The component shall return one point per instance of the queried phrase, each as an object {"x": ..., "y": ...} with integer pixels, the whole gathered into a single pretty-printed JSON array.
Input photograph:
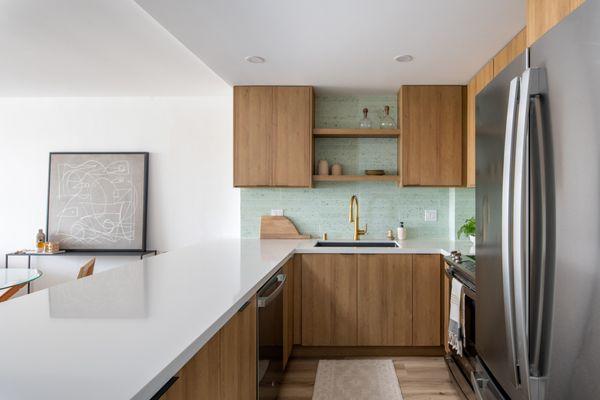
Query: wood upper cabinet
[
  {"x": 542, "y": 15},
  {"x": 485, "y": 75},
  {"x": 329, "y": 300},
  {"x": 238, "y": 375},
  {"x": 432, "y": 131},
  {"x": 516, "y": 46},
  {"x": 225, "y": 367},
  {"x": 292, "y": 143},
  {"x": 470, "y": 142},
  {"x": 252, "y": 132},
  {"x": 272, "y": 136},
  {"x": 288, "y": 311},
  {"x": 427, "y": 300},
  {"x": 476, "y": 85},
  {"x": 385, "y": 300}
]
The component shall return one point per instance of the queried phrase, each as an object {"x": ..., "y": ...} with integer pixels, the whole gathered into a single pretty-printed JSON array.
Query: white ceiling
[
  {"x": 344, "y": 46},
  {"x": 94, "y": 48}
]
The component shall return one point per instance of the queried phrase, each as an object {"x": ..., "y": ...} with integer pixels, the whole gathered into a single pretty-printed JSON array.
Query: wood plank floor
[{"x": 420, "y": 378}]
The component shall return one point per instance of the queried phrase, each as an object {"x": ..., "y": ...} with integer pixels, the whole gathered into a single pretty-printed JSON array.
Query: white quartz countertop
[{"x": 123, "y": 333}]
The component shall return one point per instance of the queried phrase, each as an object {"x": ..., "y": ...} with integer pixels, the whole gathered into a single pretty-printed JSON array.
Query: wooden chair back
[
  {"x": 87, "y": 269},
  {"x": 11, "y": 292}
]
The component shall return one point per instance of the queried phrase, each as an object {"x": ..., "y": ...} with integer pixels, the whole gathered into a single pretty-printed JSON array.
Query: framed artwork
[{"x": 98, "y": 201}]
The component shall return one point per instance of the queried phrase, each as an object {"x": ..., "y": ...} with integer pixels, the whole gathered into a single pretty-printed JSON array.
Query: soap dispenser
[{"x": 401, "y": 231}]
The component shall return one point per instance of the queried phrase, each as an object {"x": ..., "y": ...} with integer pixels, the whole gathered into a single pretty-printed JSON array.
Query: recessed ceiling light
[
  {"x": 255, "y": 59},
  {"x": 404, "y": 58}
]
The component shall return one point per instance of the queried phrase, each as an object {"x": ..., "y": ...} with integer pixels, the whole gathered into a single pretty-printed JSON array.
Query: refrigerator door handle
[
  {"x": 507, "y": 223},
  {"x": 530, "y": 86},
  {"x": 541, "y": 243}
]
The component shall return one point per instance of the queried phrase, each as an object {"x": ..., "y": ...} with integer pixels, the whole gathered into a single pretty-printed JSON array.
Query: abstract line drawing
[{"x": 97, "y": 201}]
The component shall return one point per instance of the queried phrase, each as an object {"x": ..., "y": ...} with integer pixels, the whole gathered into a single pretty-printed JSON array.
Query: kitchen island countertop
[{"x": 122, "y": 333}]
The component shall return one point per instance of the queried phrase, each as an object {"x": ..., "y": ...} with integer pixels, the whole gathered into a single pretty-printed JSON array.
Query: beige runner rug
[{"x": 356, "y": 380}]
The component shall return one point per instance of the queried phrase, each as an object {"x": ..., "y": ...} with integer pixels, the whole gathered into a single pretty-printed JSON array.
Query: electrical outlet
[
  {"x": 277, "y": 212},
  {"x": 430, "y": 215}
]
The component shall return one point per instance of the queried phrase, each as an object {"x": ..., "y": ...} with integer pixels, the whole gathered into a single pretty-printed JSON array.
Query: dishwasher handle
[{"x": 266, "y": 300}]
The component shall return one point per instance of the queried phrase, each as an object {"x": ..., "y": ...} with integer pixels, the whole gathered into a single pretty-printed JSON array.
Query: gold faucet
[{"x": 354, "y": 218}]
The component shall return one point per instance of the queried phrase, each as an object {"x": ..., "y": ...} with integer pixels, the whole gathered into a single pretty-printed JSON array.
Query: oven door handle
[{"x": 263, "y": 302}]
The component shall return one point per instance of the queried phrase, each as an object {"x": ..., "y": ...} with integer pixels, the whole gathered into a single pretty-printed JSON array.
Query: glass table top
[{"x": 10, "y": 277}]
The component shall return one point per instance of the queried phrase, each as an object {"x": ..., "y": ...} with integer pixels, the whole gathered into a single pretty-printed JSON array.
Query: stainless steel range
[{"x": 463, "y": 269}]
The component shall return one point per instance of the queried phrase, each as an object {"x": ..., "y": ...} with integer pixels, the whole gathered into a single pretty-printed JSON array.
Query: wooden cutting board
[{"x": 278, "y": 227}]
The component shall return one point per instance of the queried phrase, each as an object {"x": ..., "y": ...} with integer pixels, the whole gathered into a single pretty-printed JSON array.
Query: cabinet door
[
  {"x": 252, "y": 131},
  {"x": 432, "y": 135},
  {"x": 484, "y": 76},
  {"x": 542, "y": 15},
  {"x": 288, "y": 311},
  {"x": 509, "y": 52},
  {"x": 329, "y": 300},
  {"x": 385, "y": 300},
  {"x": 471, "y": 134},
  {"x": 238, "y": 355},
  {"x": 199, "y": 378},
  {"x": 291, "y": 142},
  {"x": 427, "y": 323}
]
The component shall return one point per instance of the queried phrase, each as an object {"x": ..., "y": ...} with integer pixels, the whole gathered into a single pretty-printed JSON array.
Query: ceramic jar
[
  {"x": 336, "y": 169},
  {"x": 323, "y": 167}
]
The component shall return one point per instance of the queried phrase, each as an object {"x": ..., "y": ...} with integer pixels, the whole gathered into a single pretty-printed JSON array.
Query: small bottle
[
  {"x": 40, "y": 240},
  {"x": 389, "y": 234},
  {"x": 387, "y": 122},
  {"x": 401, "y": 232},
  {"x": 365, "y": 123}
]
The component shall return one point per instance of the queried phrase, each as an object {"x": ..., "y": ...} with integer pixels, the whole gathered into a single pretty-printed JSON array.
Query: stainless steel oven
[
  {"x": 270, "y": 337},
  {"x": 462, "y": 366}
]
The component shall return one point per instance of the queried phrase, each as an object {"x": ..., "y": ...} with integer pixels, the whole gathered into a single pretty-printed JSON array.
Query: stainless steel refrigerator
[{"x": 538, "y": 219}]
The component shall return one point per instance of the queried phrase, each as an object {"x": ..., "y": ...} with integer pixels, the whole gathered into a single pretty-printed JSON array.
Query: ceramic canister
[
  {"x": 336, "y": 169},
  {"x": 323, "y": 167}
]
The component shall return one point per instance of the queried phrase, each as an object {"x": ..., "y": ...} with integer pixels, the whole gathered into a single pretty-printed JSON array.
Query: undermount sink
[{"x": 355, "y": 244}]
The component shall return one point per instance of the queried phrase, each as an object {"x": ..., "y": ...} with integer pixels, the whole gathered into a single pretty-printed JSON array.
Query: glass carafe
[
  {"x": 387, "y": 122},
  {"x": 365, "y": 123}
]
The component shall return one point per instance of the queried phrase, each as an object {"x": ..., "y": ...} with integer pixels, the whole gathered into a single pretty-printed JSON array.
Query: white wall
[
  {"x": 191, "y": 192},
  {"x": 84, "y": 76}
]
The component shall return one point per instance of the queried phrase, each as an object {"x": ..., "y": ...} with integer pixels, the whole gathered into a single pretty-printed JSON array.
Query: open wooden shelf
[
  {"x": 357, "y": 133},
  {"x": 355, "y": 178}
]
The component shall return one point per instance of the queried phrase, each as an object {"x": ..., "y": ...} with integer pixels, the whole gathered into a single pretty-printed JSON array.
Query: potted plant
[{"x": 468, "y": 229}]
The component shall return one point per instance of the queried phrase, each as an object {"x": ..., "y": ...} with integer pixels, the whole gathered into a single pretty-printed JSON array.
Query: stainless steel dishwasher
[{"x": 270, "y": 337}]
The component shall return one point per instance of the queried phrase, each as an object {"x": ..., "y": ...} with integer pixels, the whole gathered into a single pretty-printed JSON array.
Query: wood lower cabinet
[
  {"x": 427, "y": 300},
  {"x": 371, "y": 300},
  {"x": 238, "y": 355},
  {"x": 329, "y": 300},
  {"x": 272, "y": 142},
  {"x": 225, "y": 367},
  {"x": 385, "y": 300},
  {"x": 199, "y": 379},
  {"x": 432, "y": 128}
]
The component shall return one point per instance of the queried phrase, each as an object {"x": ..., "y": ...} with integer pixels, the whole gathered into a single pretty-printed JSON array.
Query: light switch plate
[
  {"x": 430, "y": 215},
  {"x": 277, "y": 212}
]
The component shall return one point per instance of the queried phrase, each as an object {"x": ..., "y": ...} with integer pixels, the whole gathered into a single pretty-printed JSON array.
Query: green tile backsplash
[{"x": 324, "y": 208}]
